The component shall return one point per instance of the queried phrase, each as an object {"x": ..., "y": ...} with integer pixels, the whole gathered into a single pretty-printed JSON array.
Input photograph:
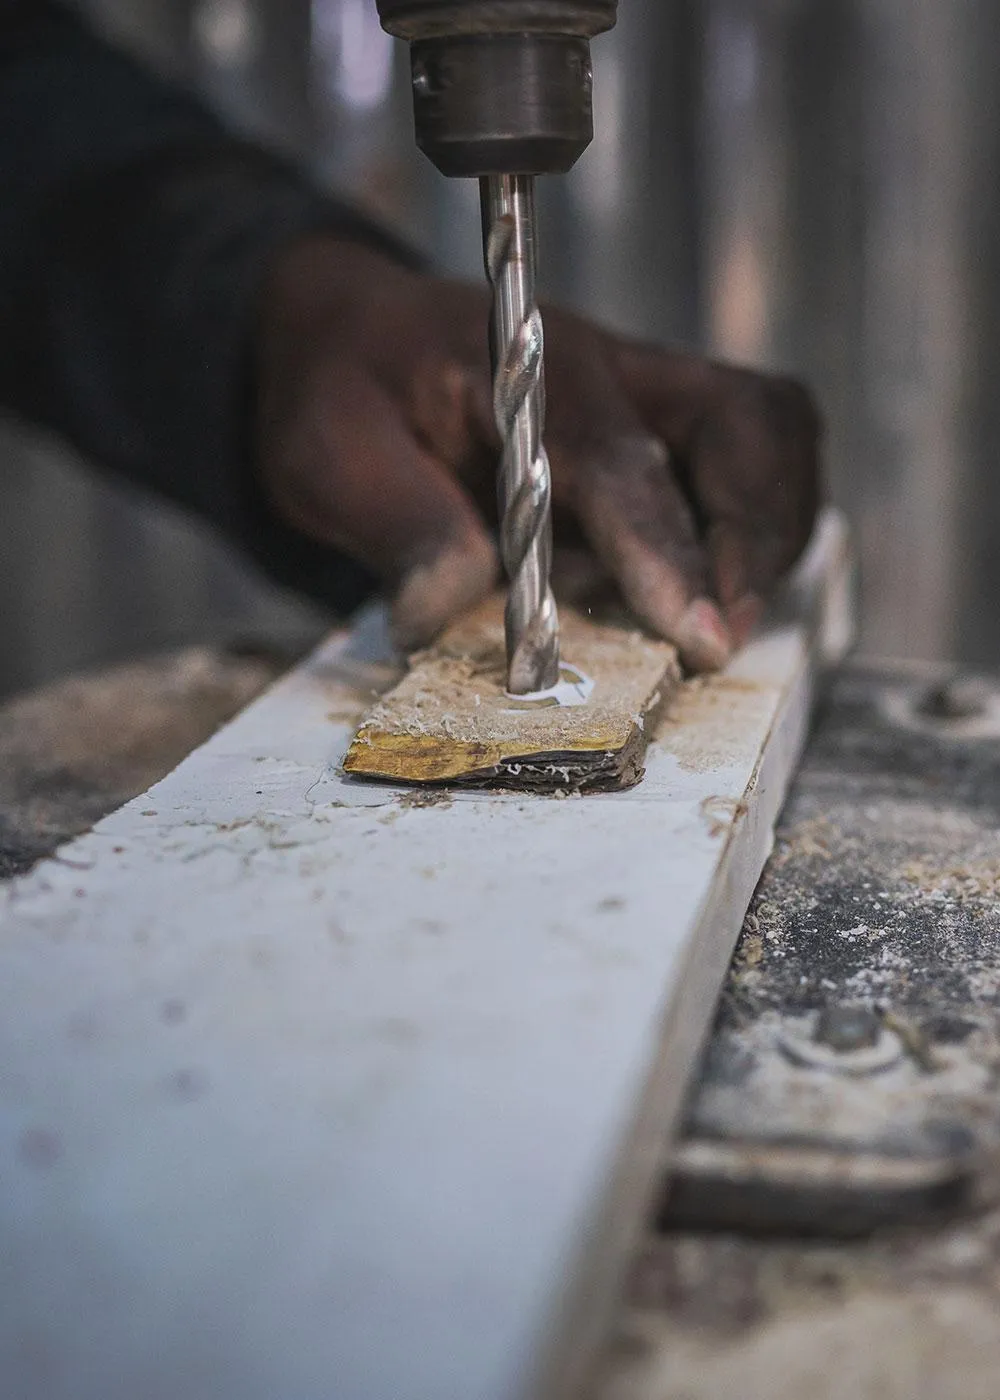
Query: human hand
[{"x": 692, "y": 486}]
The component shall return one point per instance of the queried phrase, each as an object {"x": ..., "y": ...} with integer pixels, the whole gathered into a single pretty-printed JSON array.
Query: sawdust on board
[
  {"x": 455, "y": 690},
  {"x": 707, "y": 720}
]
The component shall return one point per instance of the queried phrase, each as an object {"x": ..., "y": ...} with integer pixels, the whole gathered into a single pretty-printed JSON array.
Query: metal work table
[{"x": 828, "y": 1231}]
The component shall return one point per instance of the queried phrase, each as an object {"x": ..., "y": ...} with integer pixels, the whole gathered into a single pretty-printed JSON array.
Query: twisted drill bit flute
[{"x": 524, "y": 481}]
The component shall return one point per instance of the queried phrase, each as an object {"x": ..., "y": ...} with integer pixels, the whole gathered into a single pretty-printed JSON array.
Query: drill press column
[{"x": 502, "y": 92}]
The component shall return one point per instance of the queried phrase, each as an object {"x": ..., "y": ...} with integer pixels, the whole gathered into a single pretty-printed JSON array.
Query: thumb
[{"x": 342, "y": 466}]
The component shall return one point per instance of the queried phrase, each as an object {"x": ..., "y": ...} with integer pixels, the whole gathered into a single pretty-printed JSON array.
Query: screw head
[
  {"x": 961, "y": 697},
  {"x": 846, "y": 1028}
]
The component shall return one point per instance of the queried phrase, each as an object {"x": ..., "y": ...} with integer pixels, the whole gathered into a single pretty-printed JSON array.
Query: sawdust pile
[{"x": 967, "y": 881}]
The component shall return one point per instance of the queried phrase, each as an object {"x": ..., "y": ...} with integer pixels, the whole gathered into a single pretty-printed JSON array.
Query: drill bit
[{"x": 524, "y": 481}]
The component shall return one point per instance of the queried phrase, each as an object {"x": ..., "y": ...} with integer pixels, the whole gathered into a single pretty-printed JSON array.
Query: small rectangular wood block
[{"x": 451, "y": 720}]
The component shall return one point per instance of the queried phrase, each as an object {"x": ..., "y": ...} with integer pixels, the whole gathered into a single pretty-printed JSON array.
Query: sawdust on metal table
[{"x": 853, "y": 1073}]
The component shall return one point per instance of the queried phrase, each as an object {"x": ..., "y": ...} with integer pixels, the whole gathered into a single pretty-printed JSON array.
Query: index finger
[
  {"x": 619, "y": 481},
  {"x": 748, "y": 446}
]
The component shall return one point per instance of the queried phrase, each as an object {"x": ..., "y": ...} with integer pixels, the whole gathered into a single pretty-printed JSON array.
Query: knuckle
[
  {"x": 783, "y": 408},
  {"x": 799, "y": 407},
  {"x": 636, "y": 462}
]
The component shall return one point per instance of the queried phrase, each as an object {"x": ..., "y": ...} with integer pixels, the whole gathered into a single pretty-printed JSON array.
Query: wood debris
[{"x": 451, "y": 720}]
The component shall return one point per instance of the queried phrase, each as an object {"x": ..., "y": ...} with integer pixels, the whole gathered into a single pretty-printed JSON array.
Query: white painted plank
[{"x": 309, "y": 1092}]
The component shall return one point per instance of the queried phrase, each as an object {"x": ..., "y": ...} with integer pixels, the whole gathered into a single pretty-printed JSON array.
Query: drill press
[{"x": 502, "y": 92}]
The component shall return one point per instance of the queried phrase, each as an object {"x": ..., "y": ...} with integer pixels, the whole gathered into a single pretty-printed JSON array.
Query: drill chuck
[
  {"x": 502, "y": 104},
  {"x": 433, "y": 19},
  {"x": 500, "y": 86}
]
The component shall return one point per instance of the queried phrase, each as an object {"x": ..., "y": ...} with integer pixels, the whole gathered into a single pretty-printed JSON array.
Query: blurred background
[{"x": 799, "y": 186}]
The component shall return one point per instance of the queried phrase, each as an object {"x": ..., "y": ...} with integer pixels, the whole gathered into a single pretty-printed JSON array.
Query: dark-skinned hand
[{"x": 689, "y": 485}]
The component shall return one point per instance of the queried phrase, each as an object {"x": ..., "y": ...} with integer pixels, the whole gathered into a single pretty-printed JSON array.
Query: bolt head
[
  {"x": 960, "y": 698},
  {"x": 847, "y": 1028}
]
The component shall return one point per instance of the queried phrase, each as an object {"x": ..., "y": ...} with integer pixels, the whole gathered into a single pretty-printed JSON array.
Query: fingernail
[
  {"x": 703, "y": 637},
  {"x": 743, "y": 617}
]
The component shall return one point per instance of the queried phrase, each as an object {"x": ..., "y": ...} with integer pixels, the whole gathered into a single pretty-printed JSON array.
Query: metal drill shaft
[{"x": 524, "y": 482}]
